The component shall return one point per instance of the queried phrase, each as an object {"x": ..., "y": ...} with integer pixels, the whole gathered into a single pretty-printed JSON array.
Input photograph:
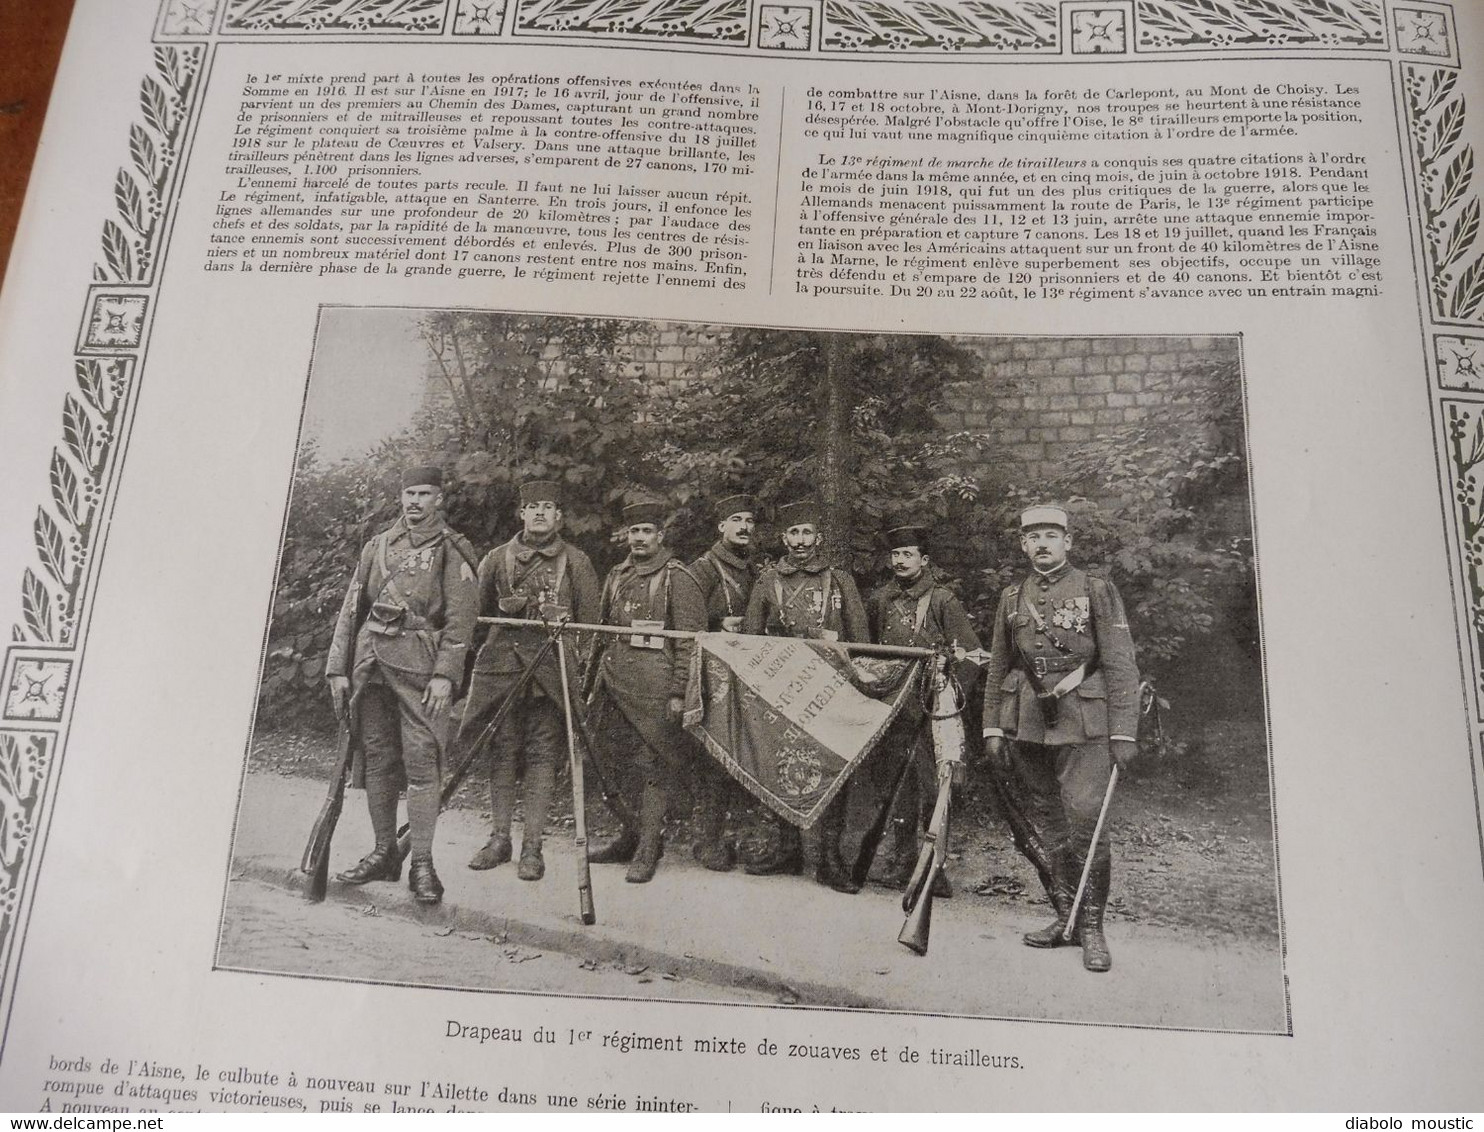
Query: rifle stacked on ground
[{"x": 948, "y": 746}]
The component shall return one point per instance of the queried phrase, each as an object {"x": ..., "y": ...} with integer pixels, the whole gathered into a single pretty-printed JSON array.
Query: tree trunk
[{"x": 834, "y": 470}]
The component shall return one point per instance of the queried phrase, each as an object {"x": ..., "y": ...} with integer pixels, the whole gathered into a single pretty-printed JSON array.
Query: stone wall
[
  {"x": 1039, "y": 399},
  {"x": 1042, "y": 398}
]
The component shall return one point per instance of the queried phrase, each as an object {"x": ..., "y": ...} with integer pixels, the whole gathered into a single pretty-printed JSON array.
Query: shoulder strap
[
  {"x": 922, "y": 611},
  {"x": 724, "y": 579},
  {"x": 459, "y": 544},
  {"x": 509, "y": 578},
  {"x": 389, "y": 585}
]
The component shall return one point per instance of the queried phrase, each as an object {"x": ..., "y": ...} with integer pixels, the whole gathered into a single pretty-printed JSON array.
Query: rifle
[
  {"x": 871, "y": 842},
  {"x": 917, "y": 901},
  {"x": 456, "y": 779},
  {"x": 877, "y": 829},
  {"x": 948, "y": 746},
  {"x": 579, "y": 802},
  {"x": 316, "y": 860},
  {"x": 612, "y": 798}
]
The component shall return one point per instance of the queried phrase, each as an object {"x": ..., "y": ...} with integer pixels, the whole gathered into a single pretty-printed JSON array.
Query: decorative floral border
[
  {"x": 1445, "y": 173},
  {"x": 1166, "y": 24},
  {"x": 1021, "y": 26},
  {"x": 717, "y": 21},
  {"x": 94, "y": 418},
  {"x": 418, "y": 16},
  {"x": 989, "y": 26},
  {"x": 1463, "y": 422},
  {"x": 141, "y": 188},
  {"x": 25, "y": 765},
  {"x": 82, "y": 471}
]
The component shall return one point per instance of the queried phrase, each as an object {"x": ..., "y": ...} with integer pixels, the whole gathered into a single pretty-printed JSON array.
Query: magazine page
[{"x": 745, "y": 557}]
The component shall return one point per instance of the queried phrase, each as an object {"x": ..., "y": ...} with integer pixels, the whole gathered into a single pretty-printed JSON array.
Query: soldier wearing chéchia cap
[
  {"x": 640, "y": 693},
  {"x": 394, "y": 664},
  {"x": 916, "y": 610},
  {"x": 725, "y": 573},
  {"x": 801, "y": 595},
  {"x": 537, "y": 575},
  {"x": 1061, "y": 706}
]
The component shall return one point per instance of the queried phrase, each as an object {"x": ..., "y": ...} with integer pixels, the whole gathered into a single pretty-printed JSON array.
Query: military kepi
[
  {"x": 795, "y": 514},
  {"x": 426, "y": 475},
  {"x": 645, "y": 512},
  {"x": 734, "y": 505},
  {"x": 540, "y": 491},
  {"x": 899, "y": 537},
  {"x": 1043, "y": 517}
]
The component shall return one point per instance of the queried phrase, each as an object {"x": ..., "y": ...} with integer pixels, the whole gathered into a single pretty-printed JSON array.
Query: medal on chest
[{"x": 1072, "y": 613}]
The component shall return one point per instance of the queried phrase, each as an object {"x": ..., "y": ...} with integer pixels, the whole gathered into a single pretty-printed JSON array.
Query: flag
[{"x": 791, "y": 719}]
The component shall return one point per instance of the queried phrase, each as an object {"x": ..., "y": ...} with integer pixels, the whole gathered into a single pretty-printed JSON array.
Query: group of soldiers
[{"x": 1060, "y": 700}]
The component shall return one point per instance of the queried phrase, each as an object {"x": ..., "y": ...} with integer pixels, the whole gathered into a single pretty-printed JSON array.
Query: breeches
[
  {"x": 397, "y": 737},
  {"x": 529, "y": 744},
  {"x": 1064, "y": 789},
  {"x": 533, "y": 733}
]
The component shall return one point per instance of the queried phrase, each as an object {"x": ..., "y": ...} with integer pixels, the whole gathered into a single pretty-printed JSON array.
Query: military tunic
[
  {"x": 527, "y": 582},
  {"x": 408, "y": 616},
  {"x": 726, "y": 580},
  {"x": 639, "y": 675},
  {"x": 814, "y": 600},
  {"x": 531, "y": 582},
  {"x": 922, "y": 614},
  {"x": 1056, "y": 623}
]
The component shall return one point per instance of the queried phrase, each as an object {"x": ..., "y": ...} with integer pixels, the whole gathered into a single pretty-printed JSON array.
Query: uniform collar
[
  {"x": 427, "y": 531},
  {"x": 1053, "y": 576},
  {"x": 644, "y": 569},
  {"x": 815, "y": 565},
  {"x": 923, "y": 584},
  {"x": 524, "y": 552},
  {"x": 722, "y": 551}
]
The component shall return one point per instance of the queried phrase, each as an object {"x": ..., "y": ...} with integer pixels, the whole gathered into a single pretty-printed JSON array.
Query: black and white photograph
[{"x": 766, "y": 666}]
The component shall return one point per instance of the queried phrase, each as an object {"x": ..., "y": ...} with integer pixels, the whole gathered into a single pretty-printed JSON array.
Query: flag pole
[{"x": 905, "y": 651}]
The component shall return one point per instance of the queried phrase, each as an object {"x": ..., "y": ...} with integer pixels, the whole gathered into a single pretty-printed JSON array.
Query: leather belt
[{"x": 1044, "y": 665}]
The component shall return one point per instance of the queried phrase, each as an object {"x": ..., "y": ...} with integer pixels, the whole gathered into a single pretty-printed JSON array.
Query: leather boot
[
  {"x": 1061, "y": 893},
  {"x": 382, "y": 863},
  {"x": 422, "y": 878},
  {"x": 616, "y": 850},
  {"x": 495, "y": 852},
  {"x": 651, "y": 836},
  {"x": 532, "y": 866},
  {"x": 901, "y": 859},
  {"x": 712, "y": 848},
  {"x": 1095, "y": 953},
  {"x": 831, "y": 870}
]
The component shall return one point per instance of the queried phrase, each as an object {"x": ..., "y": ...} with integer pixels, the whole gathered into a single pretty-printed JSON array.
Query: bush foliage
[{"x": 1161, "y": 508}]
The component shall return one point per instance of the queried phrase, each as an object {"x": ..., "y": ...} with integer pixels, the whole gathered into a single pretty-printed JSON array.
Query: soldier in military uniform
[
  {"x": 1061, "y": 706},
  {"x": 915, "y": 610},
  {"x": 640, "y": 692},
  {"x": 725, "y": 573},
  {"x": 396, "y": 659},
  {"x": 801, "y": 595},
  {"x": 536, "y": 575}
]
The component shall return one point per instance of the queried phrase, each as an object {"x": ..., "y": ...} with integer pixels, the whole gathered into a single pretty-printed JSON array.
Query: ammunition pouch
[
  {"x": 386, "y": 618},
  {"x": 513, "y": 605}
]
